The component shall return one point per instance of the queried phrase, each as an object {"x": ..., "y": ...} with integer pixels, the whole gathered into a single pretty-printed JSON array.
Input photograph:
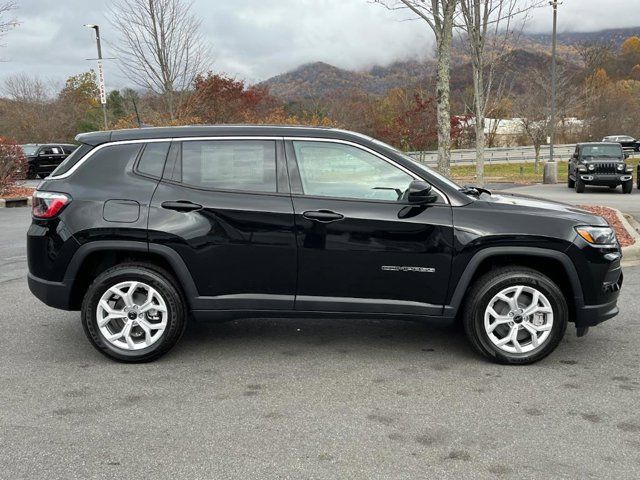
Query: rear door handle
[
  {"x": 182, "y": 206},
  {"x": 323, "y": 216}
]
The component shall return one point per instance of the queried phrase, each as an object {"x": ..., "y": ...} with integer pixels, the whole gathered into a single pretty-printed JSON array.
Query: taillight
[{"x": 48, "y": 204}]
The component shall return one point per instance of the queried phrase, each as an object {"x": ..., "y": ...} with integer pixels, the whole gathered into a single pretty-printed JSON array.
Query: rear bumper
[{"x": 54, "y": 294}]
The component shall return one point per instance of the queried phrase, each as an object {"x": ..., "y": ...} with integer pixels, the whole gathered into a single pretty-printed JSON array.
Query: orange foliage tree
[{"x": 13, "y": 164}]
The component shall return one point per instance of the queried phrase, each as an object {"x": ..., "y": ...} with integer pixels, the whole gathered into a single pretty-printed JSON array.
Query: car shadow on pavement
[{"x": 297, "y": 337}]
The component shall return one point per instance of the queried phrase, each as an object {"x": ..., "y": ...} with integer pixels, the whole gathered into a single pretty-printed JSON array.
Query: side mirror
[
  {"x": 626, "y": 155},
  {"x": 419, "y": 192},
  {"x": 575, "y": 155}
]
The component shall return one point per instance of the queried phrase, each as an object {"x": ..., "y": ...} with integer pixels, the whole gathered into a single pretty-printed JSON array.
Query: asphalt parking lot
[
  {"x": 601, "y": 196},
  {"x": 309, "y": 399}
]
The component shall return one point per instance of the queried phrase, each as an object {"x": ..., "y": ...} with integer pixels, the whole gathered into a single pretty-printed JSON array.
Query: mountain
[
  {"x": 614, "y": 36},
  {"x": 319, "y": 79}
]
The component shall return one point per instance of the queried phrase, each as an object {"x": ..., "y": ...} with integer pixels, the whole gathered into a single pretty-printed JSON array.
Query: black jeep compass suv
[{"x": 143, "y": 229}]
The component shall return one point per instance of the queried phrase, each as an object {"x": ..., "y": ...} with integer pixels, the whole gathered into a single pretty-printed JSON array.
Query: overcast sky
[{"x": 255, "y": 39}]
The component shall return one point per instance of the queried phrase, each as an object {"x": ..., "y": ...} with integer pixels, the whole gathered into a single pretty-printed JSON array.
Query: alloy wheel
[
  {"x": 518, "y": 319},
  {"x": 131, "y": 315}
]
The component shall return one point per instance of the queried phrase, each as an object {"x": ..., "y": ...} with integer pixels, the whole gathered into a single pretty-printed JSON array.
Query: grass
[{"x": 514, "y": 172}]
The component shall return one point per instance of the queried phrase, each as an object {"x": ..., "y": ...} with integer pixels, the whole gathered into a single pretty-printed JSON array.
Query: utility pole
[
  {"x": 103, "y": 93},
  {"x": 551, "y": 167}
]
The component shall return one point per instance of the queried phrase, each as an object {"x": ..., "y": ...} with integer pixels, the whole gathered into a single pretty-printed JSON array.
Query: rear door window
[{"x": 247, "y": 165}]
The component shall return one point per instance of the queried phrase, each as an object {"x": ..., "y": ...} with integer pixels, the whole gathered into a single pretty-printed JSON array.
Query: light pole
[
  {"x": 103, "y": 93},
  {"x": 551, "y": 167}
]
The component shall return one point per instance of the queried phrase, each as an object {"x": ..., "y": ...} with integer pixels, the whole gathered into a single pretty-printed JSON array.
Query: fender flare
[
  {"x": 170, "y": 255},
  {"x": 451, "y": 310}
]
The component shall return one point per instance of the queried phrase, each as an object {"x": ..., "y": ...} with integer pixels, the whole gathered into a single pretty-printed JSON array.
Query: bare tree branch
[
  {"x": 485, "y": 47},
  {"x": 7, "y": 22},
  {"x": 160, "y": 46}
]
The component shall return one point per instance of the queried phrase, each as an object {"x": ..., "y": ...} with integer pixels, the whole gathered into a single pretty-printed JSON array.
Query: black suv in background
[
  {"x": 142, "y": 229},
  {"x": 600, "y": 164},
  {"x": 42, "y": 159}
]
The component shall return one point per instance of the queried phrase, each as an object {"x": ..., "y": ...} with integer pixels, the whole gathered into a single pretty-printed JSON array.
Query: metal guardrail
[{"x": 498, "y": 155}]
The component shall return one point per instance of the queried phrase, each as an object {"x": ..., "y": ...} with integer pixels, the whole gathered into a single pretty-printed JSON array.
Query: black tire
[
  {"x": 627, "y": 187},
  {"x": 153, "y": 276},
  {"x": 31, "y": 174},
  {"x": 42, "y": 175},
  {"x": 571, "y": 183},
  {"x": 486, "y": 287},
  {"x": 579, "y": 185}
]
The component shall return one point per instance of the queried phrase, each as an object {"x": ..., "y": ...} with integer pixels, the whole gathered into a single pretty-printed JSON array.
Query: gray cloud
[{"x": 255, "y": 39}]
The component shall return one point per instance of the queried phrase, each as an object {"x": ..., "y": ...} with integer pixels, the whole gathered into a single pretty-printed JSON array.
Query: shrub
[{"x": 13, "y": 164}]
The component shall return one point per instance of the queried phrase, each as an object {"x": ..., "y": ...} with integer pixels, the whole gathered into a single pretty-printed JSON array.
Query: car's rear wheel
[
  {"x": 627, "y": 187},
  {"x": 515, "y": 315},
  {"x": 579, "y": 185},
  {"x": 133, "y": 313}
]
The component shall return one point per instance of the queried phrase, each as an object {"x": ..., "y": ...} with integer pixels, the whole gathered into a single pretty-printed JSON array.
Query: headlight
[
  {"x": 592, "y": 168},
  {"x": 621, "y": 167},
  {"x": 598, "y": 235}
]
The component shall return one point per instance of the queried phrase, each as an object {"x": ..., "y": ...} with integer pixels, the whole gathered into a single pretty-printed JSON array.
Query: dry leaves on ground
[{"x": 610, "y": 216}]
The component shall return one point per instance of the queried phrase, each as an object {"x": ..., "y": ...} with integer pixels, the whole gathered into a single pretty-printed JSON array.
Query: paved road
[
  {"x": 309, "y": 399},
  {"x": 602, "y": 196}
]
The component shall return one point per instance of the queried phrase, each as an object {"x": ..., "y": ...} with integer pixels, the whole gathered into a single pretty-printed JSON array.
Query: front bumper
[
  {"x": 605, "y": 180},
  {"x": 592, "y": 315}
]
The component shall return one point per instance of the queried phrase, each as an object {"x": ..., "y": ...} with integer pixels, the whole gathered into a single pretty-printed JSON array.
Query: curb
[
  {"x": 630, "y": 254},
  {"x": 15, "y": 202}
]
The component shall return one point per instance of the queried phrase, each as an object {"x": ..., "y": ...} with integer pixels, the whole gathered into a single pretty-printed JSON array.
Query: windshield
[
  {"x": 29, "y": 149},
  {"x": 613, "y": 151},
  {"x": 422, "y": 166}
]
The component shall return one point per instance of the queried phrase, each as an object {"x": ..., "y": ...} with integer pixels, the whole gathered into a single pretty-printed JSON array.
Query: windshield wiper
[{"x": 474, "y": 190}]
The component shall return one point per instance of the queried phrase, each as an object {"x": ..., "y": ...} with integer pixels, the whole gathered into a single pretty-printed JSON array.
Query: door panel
[
  {"x": 238, "y": 246},
  {"x": 379, "y": 257},
  {"x": 368, "y": 252}
]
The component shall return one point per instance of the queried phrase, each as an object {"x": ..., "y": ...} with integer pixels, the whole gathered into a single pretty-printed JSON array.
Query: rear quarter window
[
  {"x": 72, "y": 159},
  {"x": 107, "y": 164},
  {"x": 152, "y": 159}
]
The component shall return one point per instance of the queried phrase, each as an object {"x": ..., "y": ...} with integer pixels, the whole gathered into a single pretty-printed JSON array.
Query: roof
[
  {"x": 96, "y": 138},
  {"x": 598, "y": 143}
]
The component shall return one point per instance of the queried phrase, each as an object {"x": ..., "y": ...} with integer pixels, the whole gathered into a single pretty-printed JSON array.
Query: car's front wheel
[
  {"x": 627, "y": 187},
  {"x": 571, "y": 183},
  {"x": 579, "y": 185},
  {"x": 133, "y": 313},
  {"x": 515, "y": 315}
]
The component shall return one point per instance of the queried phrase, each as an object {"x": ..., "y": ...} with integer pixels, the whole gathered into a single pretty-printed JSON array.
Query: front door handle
[
  {"x": 182, "y": 206},
  {"x": 322, "y": 216}
]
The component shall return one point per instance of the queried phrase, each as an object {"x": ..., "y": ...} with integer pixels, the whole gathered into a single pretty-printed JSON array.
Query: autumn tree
[
  {"x": 78, "y": 104},
  {"x": 218, "y": 98},
  {"x": 630, "y": 54},
  {"x": 13, "y": 164},
  {"x": 160, "y": 46},
  {"x": 411, "y": 121}
]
